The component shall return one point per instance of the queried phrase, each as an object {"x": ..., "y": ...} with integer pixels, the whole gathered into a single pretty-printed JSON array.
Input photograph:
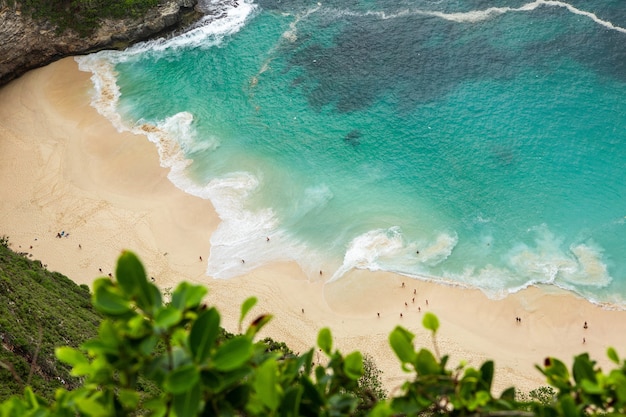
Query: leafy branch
[{"x": 177, "y": 346}]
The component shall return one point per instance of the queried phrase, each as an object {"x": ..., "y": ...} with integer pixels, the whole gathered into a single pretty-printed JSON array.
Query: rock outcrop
[{"x": 26, "y": 43}]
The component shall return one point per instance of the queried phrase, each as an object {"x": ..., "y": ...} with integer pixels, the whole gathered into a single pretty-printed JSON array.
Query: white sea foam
[
  {"x": 175, "y": 136},
  {"x": 210, "y": 31},
  {"x": 388, "y": 250},
  {"x": 243, "y": 233},
  {"x": 475, "y": 16},
  {"x": 163, "y": 134},
  {"x": 591, "y": 270},
  {"x": 547, "y": 262},
  {"x": 291, "y": 33},
  {"x": 207, "y": 33},
  {"x": 438, "y": 251}
]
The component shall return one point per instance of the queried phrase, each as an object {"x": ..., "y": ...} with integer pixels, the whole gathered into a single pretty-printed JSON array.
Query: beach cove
[{"x": 65, "y": 169}]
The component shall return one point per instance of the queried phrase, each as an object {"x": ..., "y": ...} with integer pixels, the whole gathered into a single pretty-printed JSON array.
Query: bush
[
  {"x": 199, "y": 373},
  {"x": 83, "y": 15}
]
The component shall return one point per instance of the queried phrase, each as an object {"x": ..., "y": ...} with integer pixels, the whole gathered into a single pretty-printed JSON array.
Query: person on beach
[
  {"x": 585, "y": 326},
  {"x": 403, "y": 285}
]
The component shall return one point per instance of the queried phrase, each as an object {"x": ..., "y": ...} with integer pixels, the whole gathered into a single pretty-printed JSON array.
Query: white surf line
[
  {"x": 475, "y": 16},
  {"x": 290, "y": 36},
  {"x": 480, "y": 15}
]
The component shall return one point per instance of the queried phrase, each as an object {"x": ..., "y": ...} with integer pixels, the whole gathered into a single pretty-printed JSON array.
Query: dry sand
[{"x": 63, "y": 167}]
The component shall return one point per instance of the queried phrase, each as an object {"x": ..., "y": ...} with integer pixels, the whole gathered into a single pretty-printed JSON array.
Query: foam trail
[
  {"x": 210, "y": 31},
  {"x": 480, "y": 15},
  {"x": 387, "y": 249},
  {"x": 290, "y": 35}
]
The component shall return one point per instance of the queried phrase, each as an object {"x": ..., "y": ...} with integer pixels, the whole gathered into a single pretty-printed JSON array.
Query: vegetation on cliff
[
  {"x": 39, "y": 310},
  {"x": 82, "y": 15}
]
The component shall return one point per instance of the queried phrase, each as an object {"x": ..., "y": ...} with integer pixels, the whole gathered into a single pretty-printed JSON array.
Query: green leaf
[
  {"x": 583, "y": 369},
  {"x": 30, "y": 397},
  {"x": 258, "y": 324},
  {"x": 342, "y": 404},
  {"x": 480, "y": 399},
  {"x": 167, "y": 317},
  {"x": 486, "y": 375},
  {"x": 132, "y": 279},
  {"x": 233, "y": 354},
  {"x": 70, "y": 356},
  {"x": 508, "y": 394},
  {"x": 181, "y": 379},
  {"x": 203, "y": 334},
  {"x": 130, "y": 273},
  {"x": 382, "y": 409},
  {"x": 618, "y": 380},
  {"x": 129, "y": 398},
  {"x": 353, "y": 365},
  {"x": 556, "y": 373},
  {"x": 325, "y": 340},
  {"x": 266, "y": 386},
  {"x": 591, "y": 387},
  {"x": 568, "y": 406},
  {"x": 188, "y": 296},
  {"x": 401, "y": 341},
  {"x": 430, "y": 322},
  {"x": 107, "y": 300},
  {"x": 187, "y": 404},
  {"x": 612, "y": 354},
  {"x": 426, "y": 364},
  {"x": 92, "y": 407},
  {"x": 291, "y": 401},
  {"x": 246, "y": 307}
]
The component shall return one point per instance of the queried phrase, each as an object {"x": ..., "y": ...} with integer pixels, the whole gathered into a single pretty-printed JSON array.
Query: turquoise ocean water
[{"x": 476, "y": 142}]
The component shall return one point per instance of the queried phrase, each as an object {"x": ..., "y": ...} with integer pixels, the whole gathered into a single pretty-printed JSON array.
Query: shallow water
[{"x": 474, "y": 142}]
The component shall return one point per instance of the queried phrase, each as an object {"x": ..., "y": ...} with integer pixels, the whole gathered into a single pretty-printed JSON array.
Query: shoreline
[{"x": 64, "y": 168}]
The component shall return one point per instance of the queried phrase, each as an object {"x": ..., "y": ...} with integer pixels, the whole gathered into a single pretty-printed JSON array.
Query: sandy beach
[{"x": 65, "y": 169}]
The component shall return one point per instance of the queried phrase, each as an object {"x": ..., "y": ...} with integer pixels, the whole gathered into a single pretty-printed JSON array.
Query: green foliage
[
  {"x": 200, "y": 370},
  {"x": 544, "y": 395},
  {"x": 39, "y": 310},
  {"x": 83, "y": 15}
]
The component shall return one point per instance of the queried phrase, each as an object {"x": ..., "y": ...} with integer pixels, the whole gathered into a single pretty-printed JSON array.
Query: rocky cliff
[{"x": 26, "y": 43}]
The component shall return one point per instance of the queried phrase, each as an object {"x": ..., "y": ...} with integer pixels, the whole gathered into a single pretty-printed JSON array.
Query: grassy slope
[
  {"x": 82, "y": 16},
  {"x": 39, "y": 310}
]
